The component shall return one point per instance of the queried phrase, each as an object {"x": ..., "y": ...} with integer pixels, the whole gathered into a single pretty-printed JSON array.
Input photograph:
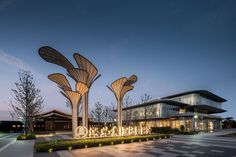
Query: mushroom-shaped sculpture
[
  {"x": 73, "y": 96},
  {"x": 120, "y": 87},
  {"x": 86, "y": 73}
]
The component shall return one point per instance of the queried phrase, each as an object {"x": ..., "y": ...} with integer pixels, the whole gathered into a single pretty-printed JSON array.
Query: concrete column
[
  {"x": 74, "y": 119},
  {"x": 85, "y": 110},
  {"x": 119, "y": 112}
]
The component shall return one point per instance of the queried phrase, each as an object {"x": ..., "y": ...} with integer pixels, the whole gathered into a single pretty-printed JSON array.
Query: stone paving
[
  {"x": 174, "y": 147},
  {"x": 9, "y": 147},
  {"x": 204, "y": 145}
]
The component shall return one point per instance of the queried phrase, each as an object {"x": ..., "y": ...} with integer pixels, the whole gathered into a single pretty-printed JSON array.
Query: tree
[
  {"x": 103, "y": 113},
  {"x": 145, "y": 98},
  {"x": 108, "y": 114},
  {"x": 126, "y": 103},
  {"x": 27, "y": 100},
  {"x": 229, "y": 123},
  {"x": 97, "y": 113}
]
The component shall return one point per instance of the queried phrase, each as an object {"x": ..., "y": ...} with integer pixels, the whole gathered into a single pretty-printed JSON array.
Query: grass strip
[{"x": 68, "y": 144}]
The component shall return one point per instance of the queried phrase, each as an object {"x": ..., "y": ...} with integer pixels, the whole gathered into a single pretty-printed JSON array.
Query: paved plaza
[
  {"x": 10, "y": 147},
  {"x": 204, "y": 145}
]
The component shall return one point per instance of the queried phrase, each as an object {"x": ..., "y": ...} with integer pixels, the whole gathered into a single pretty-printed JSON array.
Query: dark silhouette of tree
[
  {"x": 127, "y": 101},
  {"x": 229, "y": 123},
  {"x": 145, "y": 98},
  {"x": 108, "y": 114},
  {"x": 27, "y": 100},
  {"x": 97, "y": 113},
  {"x": 102, "y": 113}
]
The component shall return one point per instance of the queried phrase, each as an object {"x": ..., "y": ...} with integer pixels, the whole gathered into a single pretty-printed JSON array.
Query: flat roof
[
  {"x": 167, "y": 101},
  {"x": 197, "y": 108},
  {"x": 203, "y": 93}
]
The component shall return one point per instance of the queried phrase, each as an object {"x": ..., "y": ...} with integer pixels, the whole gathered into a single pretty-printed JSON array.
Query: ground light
[{"x": 55, "y": 145}]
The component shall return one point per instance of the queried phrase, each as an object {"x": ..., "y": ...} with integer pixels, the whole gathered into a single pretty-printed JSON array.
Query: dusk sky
[{"x": 172, "y": 46}]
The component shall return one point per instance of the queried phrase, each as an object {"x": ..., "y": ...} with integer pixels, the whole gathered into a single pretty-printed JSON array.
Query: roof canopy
[{"x": 203, "y": 93}]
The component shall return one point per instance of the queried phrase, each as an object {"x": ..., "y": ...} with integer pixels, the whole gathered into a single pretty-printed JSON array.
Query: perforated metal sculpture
[
  {"x": 120, "y": 87},
  {"x": 73, "y": 96},
  {"x": 88, "y": 74},
  {"x": 84, "y": 75}
]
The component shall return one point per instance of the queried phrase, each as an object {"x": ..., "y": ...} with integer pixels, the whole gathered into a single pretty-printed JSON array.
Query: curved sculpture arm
[
  {"x": 117, "y": 86},
  {"x": 61, "y": 80},
  {"x": 53, "y": 56},
  {"x": 81, "y": 88},
  {"x": 86, "y": 65},
  {"x": 79, "y": 75},
  {"x": 125, "y": 89},
  {"x": 131, "y": 80},
  {"x": 95, "y": 79}
]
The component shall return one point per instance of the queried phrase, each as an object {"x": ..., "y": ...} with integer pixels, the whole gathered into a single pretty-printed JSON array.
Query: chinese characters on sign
[{"x": 93, "y": 132}]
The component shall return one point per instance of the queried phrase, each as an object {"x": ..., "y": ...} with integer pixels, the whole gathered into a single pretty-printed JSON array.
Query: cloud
[
  {"x": 5, "y": 3},
  {"x": 12, "y": 60},
  {"x": 17, "y": 63}
]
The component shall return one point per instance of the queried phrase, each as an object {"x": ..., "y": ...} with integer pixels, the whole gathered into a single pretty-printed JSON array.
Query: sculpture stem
[
  {"x": 74, "y": 119},
  {"x": 119, "y": 111}
]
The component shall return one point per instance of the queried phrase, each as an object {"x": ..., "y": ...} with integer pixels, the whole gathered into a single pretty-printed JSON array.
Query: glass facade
[
  {"x": 159, "y": 110},
  {"x": 167, "y": 115},
  {"x": 196, "y": 99}
]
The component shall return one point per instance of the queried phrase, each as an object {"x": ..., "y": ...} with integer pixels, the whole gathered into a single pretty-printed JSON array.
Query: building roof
[
  {"x": 167, "y": 101},
  {"x": 54, "y": 112},
  {"x": 194, "y": 108},
  {"x": 203, "y": 93}
]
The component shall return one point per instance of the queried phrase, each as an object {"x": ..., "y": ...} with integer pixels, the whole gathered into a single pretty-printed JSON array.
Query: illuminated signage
[{"x": 94, "y": 132}]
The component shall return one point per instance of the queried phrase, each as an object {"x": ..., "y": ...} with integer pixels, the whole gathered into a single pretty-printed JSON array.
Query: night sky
[{"x": 172, "y": 46}]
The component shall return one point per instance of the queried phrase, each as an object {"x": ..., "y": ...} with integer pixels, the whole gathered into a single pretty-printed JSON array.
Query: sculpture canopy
[
  {"x": 122, "y": 85},
  {"x": 84, "y": 75},
  {"x": 53, "y": 56}
]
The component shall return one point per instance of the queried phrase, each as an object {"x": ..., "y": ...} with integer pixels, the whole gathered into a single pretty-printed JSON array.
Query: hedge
[
  {"x": 68, "y": 144},
  {"x": 24, "y": 137},
  {"x": 169, "y": 130}
]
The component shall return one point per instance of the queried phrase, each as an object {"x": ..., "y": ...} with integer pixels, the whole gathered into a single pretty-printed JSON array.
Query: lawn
[
  {"x": 68, "y": 144},
  {"x": 230, "y": 135}
]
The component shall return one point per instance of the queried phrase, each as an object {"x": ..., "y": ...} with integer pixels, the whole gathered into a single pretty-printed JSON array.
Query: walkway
[
  {"x": 204, "y": 145},
  {"x": 9, "y": 147}
]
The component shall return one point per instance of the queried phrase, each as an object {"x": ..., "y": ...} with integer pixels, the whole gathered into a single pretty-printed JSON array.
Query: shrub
[
  {"x": 161, "y": 130},
  {"x": 24, "y": 137},
  {"x": 168, "y": 130},
  {"x": 68, "y": 144},
  {"x": 182, "y": 128}
]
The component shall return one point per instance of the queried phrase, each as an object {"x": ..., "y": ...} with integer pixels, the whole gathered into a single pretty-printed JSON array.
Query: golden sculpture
[
  {"x": 120, "y": 87},
  {"x": 73, "y": 96},
  {"x": 84, "y": 76},
  {"x": 88, "y": 78}
]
